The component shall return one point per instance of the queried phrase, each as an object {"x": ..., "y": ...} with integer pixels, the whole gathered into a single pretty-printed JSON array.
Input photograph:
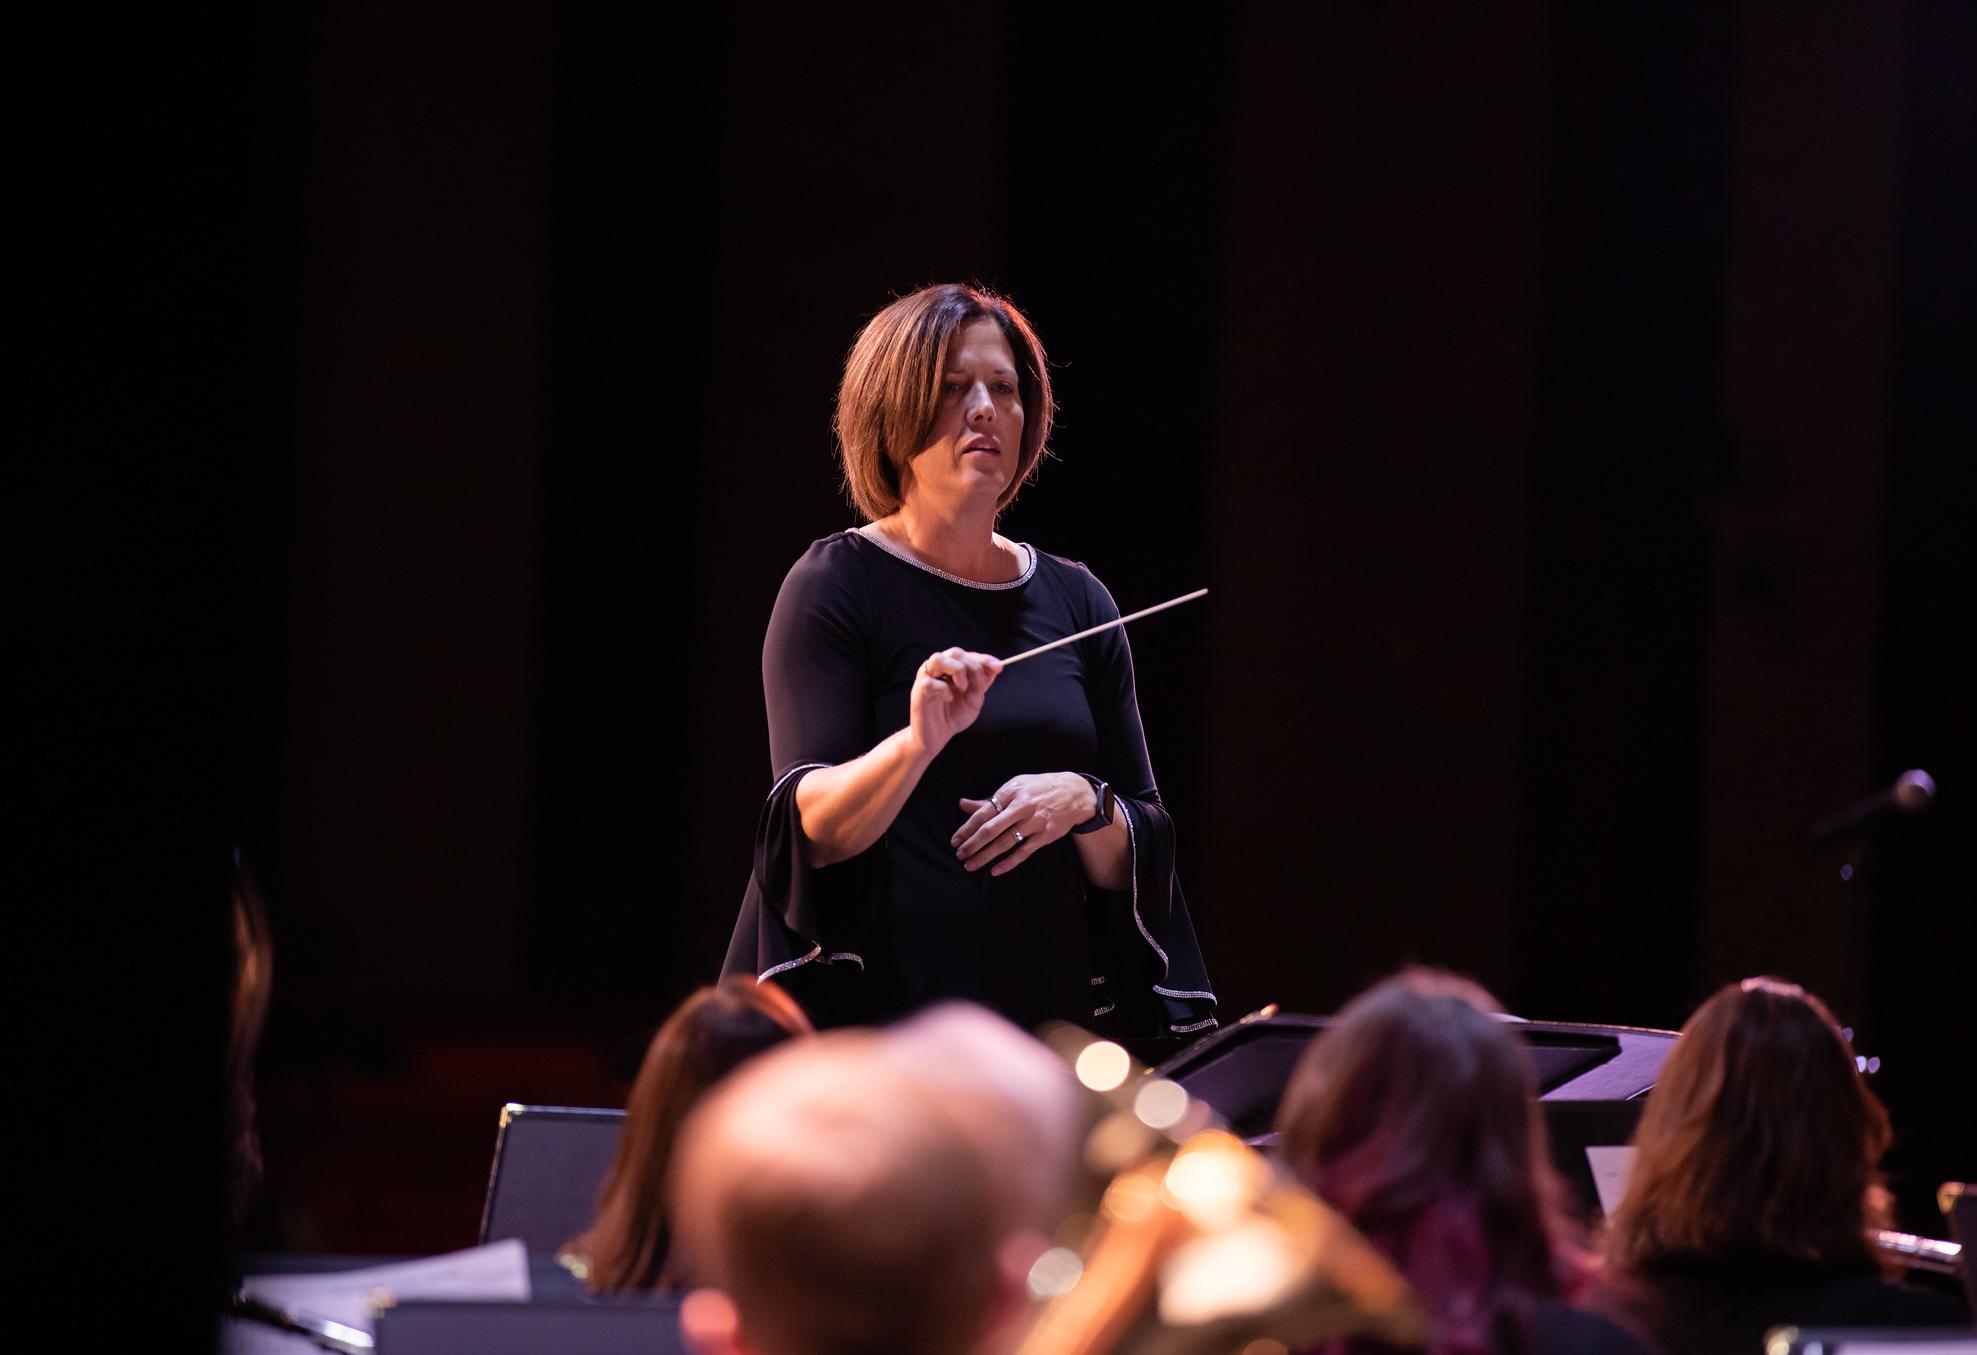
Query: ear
[{"x": 710, "y": 1324}]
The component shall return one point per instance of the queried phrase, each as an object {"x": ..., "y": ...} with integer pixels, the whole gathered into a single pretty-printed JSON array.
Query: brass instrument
[{"x": 1194, "y": 1242}]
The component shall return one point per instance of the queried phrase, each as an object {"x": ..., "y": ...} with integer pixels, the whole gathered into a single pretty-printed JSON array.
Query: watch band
[{"x": 1102, "y": 816}]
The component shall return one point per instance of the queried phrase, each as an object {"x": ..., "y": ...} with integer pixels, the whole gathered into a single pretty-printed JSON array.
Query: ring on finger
[
  {"x": 997, "y": 803},
  {"x": 1019, "y": 839}
]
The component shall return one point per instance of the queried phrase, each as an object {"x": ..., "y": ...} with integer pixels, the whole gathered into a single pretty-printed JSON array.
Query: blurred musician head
[
  {"x": 707, "y": 1037},
  {"x": 1016, "y": 1099},
  {"x": 1760, "y": 1139},
  {"x": 1415, "y": 1115},
  {"x": 834, "y": 1204}
]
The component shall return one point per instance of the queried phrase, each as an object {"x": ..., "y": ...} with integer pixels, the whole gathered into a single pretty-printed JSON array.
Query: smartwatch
[{"x": 1102, "y": 816}]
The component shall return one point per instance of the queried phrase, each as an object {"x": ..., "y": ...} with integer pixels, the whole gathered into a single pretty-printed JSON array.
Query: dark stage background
[{"x": 1569, "y": 406}]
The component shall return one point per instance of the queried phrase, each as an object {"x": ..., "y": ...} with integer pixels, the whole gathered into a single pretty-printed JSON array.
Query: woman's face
[{"x": 977, "y": 437}]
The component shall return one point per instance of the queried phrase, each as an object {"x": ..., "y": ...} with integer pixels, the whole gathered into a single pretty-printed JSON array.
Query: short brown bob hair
[{"x": 892, "y": 388}]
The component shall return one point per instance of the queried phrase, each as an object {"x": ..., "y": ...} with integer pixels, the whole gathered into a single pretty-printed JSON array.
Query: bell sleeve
[
  {"x": 800, "y": 925},
  {"x": 1150, "y": 979}
]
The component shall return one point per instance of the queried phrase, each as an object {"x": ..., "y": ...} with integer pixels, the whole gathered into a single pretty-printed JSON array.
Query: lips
[{"x": 984, "y": 445}]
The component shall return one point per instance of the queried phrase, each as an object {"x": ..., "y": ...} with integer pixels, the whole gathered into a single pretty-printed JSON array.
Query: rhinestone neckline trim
[{"x": 898, "y": 552}]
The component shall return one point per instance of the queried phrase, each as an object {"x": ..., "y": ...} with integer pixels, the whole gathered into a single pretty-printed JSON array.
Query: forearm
[
  {"x": 1107, "y": 855},
  {"x": 846, "y": 808}
]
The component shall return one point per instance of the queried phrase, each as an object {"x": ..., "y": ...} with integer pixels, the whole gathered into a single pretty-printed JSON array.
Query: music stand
[
  {"x": 548, "y": 1164},
  {"x": 623, "y": 1327}
]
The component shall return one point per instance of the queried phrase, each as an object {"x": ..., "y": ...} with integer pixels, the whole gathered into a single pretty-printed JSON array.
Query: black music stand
[
  {"x": 609, "y": 1327},
  {"x": 548, "y": 1164},
  {"x": 1591, "y": 1081}
]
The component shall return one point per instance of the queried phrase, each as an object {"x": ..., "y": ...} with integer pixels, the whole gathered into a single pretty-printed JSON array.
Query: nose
[{"x": 979, "y": 404}]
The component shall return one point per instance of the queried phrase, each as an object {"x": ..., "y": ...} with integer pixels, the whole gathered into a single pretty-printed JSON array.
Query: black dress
[{"x": 903, "y": 924}]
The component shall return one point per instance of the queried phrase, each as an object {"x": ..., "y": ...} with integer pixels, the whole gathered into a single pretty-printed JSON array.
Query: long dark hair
[
  {"x": 1415, "y": 1115},
  {"x": 1759, "y": 1142},
  {"x": 711, "y": 1034}
]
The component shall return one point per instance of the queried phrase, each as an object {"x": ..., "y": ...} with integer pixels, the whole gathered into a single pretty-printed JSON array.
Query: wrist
[
  {"x": 1101, "y": 804},
  {"x": 916, "y": 747},
  {"x": 1085, "y": 795}
]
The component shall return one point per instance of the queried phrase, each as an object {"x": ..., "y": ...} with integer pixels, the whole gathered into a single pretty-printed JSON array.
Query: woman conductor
[{"x": 938, "y": 828}]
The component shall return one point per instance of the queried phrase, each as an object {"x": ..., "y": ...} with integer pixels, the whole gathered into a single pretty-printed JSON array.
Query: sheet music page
[
  {"x": 1611, "y": 1165},
  {"x": 499, "y": 1270}
]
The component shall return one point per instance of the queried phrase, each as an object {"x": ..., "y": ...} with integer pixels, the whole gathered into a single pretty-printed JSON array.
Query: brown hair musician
[
  {"x": 1754, "y": 1182},
  {"x": 707, "y": 1037},
  {"x": 937, "y": 828},
  {"x": 1415, "y": 1115}
]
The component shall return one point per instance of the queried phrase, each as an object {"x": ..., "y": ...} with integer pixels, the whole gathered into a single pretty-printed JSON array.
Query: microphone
[{"x": 1912, "y": 793}]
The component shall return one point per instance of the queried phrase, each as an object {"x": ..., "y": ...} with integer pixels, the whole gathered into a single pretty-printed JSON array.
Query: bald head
[
  {"x": 840, "y": 1204},
  {"x": 1016, "y": 1099}
]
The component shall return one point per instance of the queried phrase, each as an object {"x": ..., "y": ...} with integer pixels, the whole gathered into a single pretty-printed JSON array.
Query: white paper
[
  {"x": 1611, "y": 1165},
  {"x": 498, "y": 1271}
]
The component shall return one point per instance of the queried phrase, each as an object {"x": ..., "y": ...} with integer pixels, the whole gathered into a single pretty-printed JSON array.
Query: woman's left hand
[{"x": 1024, "y": 814}]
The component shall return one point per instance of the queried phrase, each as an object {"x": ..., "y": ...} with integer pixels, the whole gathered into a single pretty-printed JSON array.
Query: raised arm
[
  {"x": 816, "y": 679},
  {"x": 847, "y": 807}
]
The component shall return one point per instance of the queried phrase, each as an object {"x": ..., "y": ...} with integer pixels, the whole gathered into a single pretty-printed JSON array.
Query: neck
[{"x": 958, "y": 538}]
